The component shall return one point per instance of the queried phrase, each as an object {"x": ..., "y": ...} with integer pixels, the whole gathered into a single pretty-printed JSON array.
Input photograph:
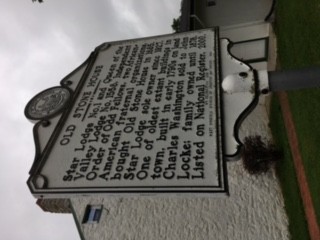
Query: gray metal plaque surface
[{"x": 144, "y": 118}]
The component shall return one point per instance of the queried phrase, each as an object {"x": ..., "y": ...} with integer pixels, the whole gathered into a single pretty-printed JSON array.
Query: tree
[{"x": 176, "y": 24}]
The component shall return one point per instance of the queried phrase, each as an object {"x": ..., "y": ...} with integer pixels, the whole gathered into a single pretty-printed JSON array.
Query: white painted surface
[
  {"x": 106, "y": 118},
  {"x": 244, "y": 32},
  {"x": 248, "y": 51},
  {"x": 237, "y": 96},
  {"x": 229, "y": 12},
  {"x": 254, "y": 210}
]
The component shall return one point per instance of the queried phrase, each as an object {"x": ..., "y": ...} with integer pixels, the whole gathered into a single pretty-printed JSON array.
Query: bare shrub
[{"x": 259, "y": 156}]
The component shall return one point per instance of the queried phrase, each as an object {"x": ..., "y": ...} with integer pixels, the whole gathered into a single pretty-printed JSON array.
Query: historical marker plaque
[{"x": 145, "y": 117}]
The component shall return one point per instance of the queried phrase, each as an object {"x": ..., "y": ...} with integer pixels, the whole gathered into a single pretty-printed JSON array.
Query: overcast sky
[{"x": 39, "y": 45}]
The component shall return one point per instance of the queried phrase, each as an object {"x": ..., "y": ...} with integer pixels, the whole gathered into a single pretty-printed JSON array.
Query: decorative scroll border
[{"x": 247, "y": 110}]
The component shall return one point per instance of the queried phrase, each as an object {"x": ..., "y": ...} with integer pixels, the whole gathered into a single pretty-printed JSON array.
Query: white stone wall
[{"x": 254, "y": 210}]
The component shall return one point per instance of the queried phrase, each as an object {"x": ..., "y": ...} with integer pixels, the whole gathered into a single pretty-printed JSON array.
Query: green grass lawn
[
  {"x": 285, "y": 170},
  {"x": 298, "y": 34}
]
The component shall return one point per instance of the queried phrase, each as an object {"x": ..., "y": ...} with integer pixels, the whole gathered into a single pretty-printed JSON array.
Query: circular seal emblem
[{"x": 47, "y": 103}]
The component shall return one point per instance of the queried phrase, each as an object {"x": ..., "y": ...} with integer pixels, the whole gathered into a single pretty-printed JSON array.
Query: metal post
[{"x": 294, "y": 79}]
